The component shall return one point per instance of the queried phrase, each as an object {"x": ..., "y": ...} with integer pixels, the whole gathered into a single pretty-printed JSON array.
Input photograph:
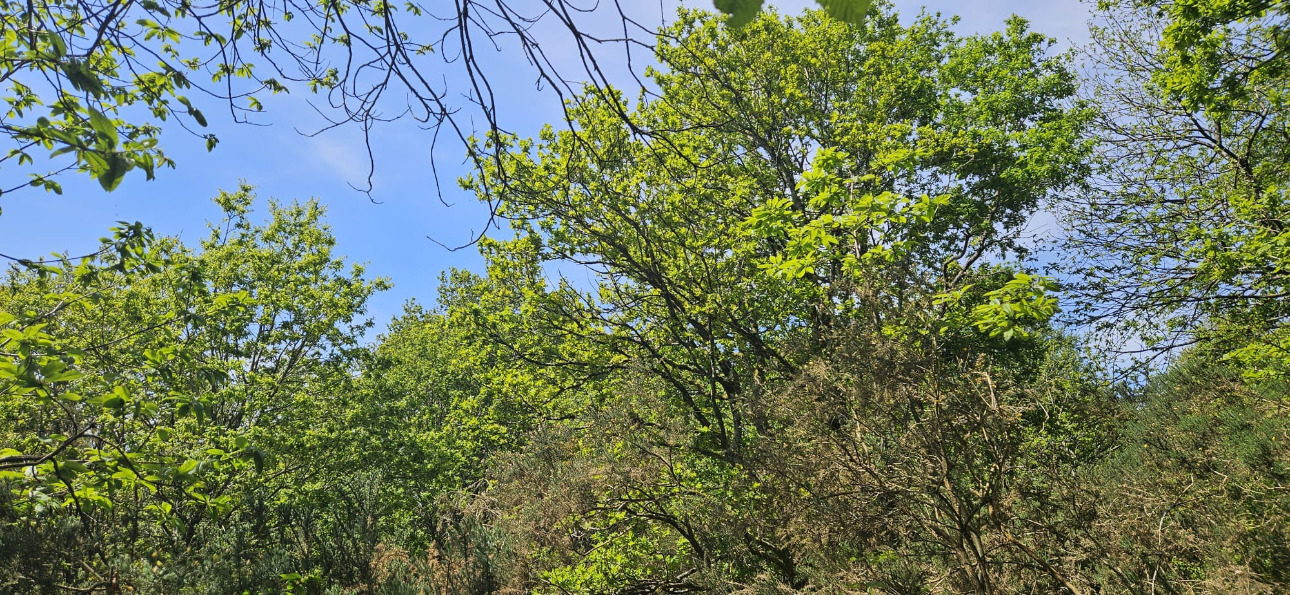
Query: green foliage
[
  {"x": 1021, "y": 303},
  {"x": 819, "y": 222},
  {"x": 1199, "y": 68},
  {"x": 872, "y": 229},
  {"x": 733, "y": 237},
  {"x": 449, "y": 388},
  {"x": 74, "y": 78},
  {"x": 810, "y": 352},
  {"x": 1183, "y": 242},
  {"x": 1191, "y": 501},
  {"x": 623, "y": 552},
  {"x": 88, "y": 85},
  {"x": 150, "y": 390},
  {"x": 744, "y": 11}
]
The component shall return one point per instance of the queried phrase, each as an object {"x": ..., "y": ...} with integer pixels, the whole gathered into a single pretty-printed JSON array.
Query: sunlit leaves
[
  {"x": 851, "y": 11},
  {"x": 1017, "y": 309},
  {"x": 740, "y": 11},
  {"x": 743, "y": 11},
  {"x": 1216, "y": 52},
  {"x": 845, "y": 226},
  {"x": 81, "y": 80},
  {"x": 137, "y": 381}
]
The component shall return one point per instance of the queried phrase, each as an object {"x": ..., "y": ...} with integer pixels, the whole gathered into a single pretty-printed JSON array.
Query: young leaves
[{"x": 744, "y": 11}]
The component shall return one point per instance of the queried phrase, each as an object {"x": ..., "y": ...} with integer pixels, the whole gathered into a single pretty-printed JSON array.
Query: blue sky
[{"x": 391, "y": 237}]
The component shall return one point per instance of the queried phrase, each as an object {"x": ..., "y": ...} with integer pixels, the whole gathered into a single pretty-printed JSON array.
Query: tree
[
  {"x": 1184, "y": 237},
  {"x": 824, "y": 190},
  {"x": 88, "y": 84},
  {"x": 1200, "y": 69},
  {"x": 152, "y": 393},
  {"x": 924, "y": 177}
]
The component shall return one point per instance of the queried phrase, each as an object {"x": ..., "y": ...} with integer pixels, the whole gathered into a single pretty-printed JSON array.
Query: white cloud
[{"x": 335, "y": 155}]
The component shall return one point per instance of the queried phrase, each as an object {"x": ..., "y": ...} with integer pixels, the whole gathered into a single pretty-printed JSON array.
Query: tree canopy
[{"x": 1185, "y": 234}]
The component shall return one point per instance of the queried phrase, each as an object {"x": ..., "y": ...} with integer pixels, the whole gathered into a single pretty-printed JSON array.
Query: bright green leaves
[
  {"x": 741, "y": 11},
  {"x": 78, "y": 83},
  {"x": 147, "y": 384},
  {"x": 449, "y": 386},
  {"x": 94, "y": 456},
  {"x": 828, "y": 193},
  {"x": 1265, "y": 358},
  {"x": 744, "y": 11},
  {"x": 723, "y": 266},
  {"x": 913, "y": 186},
  {"x": 1017, "y": 309},
  {"x": 844, "y": 225},
  {"x": 621, "y": 551},
  {"x": 1219, "y": 53},
  {"x": 849, "y": 11}
]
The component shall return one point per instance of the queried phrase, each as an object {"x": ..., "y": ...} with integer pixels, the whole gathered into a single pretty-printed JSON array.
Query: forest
[{"x": 776, "y": 321}]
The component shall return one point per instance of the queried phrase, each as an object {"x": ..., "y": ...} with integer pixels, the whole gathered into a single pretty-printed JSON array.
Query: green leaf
[
  {"x": 82, "y": 77},
  {"x": 111, "y": 176},
  {"x": 105, "y": 128},
  {"x": 64, "y": 376},
  {"x": 741, "y": 11},
  {"x": 848, "y": 11},
  {"x": 126, "y": 475}
]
